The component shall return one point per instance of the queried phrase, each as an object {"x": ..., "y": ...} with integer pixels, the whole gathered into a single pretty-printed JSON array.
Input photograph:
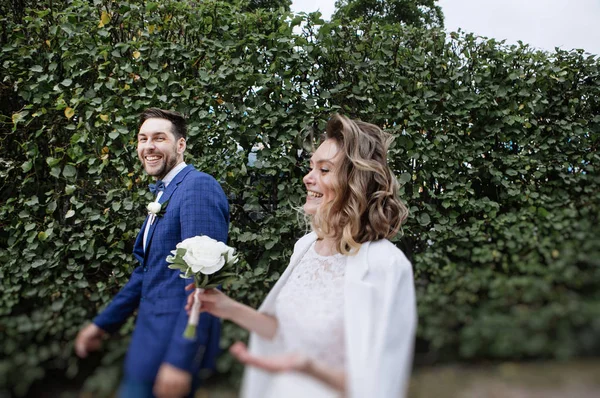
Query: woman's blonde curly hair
[{"x": 366, "y": 206}]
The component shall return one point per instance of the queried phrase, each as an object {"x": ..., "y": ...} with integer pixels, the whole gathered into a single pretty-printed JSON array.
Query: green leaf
[
  {"x": 424, "y": 219},
  {"x": 50, "y": 207},
  {"x": 52, "y": 161},
  {"x": 27, "y": 166},
  {"x": 69, "y": 189},
  {"x": 269, "y": 245},
  {"x": 18, "y": 117},
  {"x": 210, "y": 286},
  {"x": 405, "y": 177},
  {"x": 69, "y": 171},
  {"x": 57, "y": 305},
  {"x": 34, "y": 200}
]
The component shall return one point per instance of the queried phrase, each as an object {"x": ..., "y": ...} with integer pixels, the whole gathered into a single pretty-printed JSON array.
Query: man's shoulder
[
  {"x": 195, "y": 176},
  {"x": 198, "y": 181}
]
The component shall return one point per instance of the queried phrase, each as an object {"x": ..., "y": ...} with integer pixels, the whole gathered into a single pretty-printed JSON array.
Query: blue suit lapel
[
  {"x": 138, "y": 247},
  {"x": 168, "y": 192}
]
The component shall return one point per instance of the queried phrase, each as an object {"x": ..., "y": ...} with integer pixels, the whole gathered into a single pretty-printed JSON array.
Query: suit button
[
  {"x": 142, "y": 299},
  {"x": 145, "y": 269}
]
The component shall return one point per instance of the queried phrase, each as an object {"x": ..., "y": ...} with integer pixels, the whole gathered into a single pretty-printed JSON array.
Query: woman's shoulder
[
  {"x": 384, "y": 255},
  {"x": 305, "y": 240}
]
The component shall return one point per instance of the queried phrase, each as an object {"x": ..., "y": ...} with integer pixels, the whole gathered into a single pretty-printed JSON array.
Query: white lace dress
[{"x": 310, "y": 313}]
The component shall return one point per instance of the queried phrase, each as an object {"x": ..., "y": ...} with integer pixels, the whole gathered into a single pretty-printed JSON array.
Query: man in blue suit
[{"x": 160, "y": 361}]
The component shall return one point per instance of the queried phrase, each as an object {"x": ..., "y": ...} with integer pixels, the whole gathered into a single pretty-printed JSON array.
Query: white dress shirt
[{"x": 168, "y": 178}]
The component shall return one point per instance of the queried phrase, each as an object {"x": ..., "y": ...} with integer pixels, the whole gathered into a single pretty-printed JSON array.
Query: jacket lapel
[
  {"x": 138, "y": 246},
  {"x": 168, "y": 192},
  {"x": 358, "y": 299}
]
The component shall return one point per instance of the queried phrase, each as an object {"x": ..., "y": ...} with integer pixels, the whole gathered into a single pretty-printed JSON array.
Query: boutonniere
[{"x": 156, "y": 209}]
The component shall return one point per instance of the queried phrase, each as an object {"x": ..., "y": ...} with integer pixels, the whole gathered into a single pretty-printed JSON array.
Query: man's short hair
[{"x": 179, "y": 125}]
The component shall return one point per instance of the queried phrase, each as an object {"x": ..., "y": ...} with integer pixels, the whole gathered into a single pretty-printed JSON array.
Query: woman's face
[{"x": 321, "y": 176}]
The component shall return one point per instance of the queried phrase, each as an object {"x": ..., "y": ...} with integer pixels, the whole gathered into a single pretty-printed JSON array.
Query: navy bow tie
[{"x": 155, "y": 188}]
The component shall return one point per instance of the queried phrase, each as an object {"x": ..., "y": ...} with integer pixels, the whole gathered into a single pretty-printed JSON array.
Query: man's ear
[{"x": 181, "y": 145}]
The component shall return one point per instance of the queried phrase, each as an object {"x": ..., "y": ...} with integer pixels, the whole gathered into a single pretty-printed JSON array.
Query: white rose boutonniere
[
  {"x": 156, "y": 209},
  {"x": 209, "y": 262}
]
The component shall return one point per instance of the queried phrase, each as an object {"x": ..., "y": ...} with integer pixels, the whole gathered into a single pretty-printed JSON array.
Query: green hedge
[{"x": 497, "y": 148}]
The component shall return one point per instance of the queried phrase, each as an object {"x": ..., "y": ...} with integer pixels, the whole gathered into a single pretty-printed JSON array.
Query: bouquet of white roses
[{"x": 201, "y": 258}]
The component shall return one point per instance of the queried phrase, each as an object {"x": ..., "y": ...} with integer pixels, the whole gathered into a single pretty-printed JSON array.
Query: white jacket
[{"x": 380, "y": 320}]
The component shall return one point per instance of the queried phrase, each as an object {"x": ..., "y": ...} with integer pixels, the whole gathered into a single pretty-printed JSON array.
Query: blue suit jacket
[{"x": 197, "y": 206}]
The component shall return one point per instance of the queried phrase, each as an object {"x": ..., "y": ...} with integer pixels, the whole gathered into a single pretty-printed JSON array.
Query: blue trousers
[{"x": 131, "y": 388}]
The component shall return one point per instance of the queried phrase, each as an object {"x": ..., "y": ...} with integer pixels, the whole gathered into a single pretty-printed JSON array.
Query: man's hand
[
  {"x": 172, "y": 382},
  {"x": 88, "y": 339}
]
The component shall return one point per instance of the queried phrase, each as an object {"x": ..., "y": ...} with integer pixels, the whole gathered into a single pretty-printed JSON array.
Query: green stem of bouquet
[{"x": 190, "y": 332}]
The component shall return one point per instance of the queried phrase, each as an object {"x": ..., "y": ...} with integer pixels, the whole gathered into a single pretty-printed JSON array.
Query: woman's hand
[
  {"x": 220, "y": 305},
  {"x": 275, "y": 363},
  {"x": 292, "y": 362},
  {"x": 213, "y": 301}
]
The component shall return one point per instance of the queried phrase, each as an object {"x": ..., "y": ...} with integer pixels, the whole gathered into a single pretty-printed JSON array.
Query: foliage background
[{"x": 496, "y": 148}]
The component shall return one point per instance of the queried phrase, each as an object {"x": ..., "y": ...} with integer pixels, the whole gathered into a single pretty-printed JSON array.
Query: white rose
[
  {"x": 154, "y": 207},
  {"x": 204, "y": 254},
  {"x": 229, "y": 257}
]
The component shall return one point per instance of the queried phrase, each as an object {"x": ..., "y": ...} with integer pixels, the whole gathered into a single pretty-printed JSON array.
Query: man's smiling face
[{"x": 158, "y": 149}]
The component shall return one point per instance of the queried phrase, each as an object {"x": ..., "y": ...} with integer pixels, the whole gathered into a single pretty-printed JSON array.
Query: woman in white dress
[{"x": 341, "y": 320}]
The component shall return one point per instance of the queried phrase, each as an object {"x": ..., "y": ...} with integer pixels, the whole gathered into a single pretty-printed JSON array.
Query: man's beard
[{"x": 168, "y": 166}]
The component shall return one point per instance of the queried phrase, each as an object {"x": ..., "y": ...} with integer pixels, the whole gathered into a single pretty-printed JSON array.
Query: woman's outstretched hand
[
  {"x": 275, "y": 363},
  {"x": 291, "y": 362},
  {"x": 213, "y": 301},
  {"x": 217, "y": 303}
]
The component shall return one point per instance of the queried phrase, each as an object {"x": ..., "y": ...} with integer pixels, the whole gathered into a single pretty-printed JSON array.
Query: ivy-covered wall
[{"x": 496, "y": 148}]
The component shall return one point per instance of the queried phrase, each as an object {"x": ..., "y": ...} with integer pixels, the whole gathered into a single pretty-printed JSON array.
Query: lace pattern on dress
[{"x": 310, "y": 308}]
